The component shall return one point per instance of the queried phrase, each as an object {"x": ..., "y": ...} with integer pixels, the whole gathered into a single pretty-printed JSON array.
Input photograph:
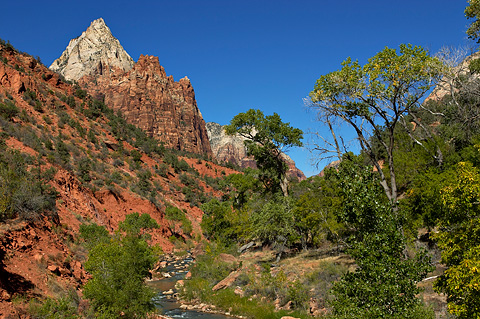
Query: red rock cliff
[{"x": 156, "y": 103}]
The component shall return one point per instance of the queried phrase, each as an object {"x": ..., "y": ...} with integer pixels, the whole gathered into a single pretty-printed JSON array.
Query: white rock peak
[{"x": 96, "y": 52}]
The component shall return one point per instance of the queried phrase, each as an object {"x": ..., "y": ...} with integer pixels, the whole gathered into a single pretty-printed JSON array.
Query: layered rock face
[
  {"x": 232, "y": 149},
  {"x": 96, "y": 52},
  {"x": 156, "y": 103},
  {"x": 149, "y": 99}
]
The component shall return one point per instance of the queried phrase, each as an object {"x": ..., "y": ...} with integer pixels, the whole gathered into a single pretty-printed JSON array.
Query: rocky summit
[
  {"x": 96, "y": 52},
  {"x": 147, "y": 97}
]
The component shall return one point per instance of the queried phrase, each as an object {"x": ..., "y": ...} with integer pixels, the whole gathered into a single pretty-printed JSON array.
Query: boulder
[{"x": 227, "y": 282}]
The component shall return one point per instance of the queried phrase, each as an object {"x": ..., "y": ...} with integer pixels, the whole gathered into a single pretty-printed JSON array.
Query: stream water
[{"x": 166, "y": 303}]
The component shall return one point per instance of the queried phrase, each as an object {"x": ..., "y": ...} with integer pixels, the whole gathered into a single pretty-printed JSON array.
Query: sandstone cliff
[
  {"x": 165, "y": 109},
  {"x": 232, "y": 149},
  {"x": 96, "y": 51}
]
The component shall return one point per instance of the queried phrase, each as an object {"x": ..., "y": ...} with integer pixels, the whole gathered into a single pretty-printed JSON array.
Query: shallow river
[{"x": 169, "y": 306}]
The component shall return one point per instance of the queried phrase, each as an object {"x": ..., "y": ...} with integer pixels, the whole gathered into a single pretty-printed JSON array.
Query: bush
[
  {"x": 175, "y": 214},
  {"x": 8, "y": 110},
  {"x": 61, "y": 308},
  {"x": 119, "y": 267}
]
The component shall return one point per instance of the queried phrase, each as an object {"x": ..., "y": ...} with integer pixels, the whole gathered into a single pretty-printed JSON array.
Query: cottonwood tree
[
  {"x": 384, "y": 284},
  {"x": 376, "y": 99},
  {"x": 267, "y": 137}
]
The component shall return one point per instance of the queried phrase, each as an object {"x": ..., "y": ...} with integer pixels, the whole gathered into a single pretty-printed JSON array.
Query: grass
[{"x": 227, "y": 300}]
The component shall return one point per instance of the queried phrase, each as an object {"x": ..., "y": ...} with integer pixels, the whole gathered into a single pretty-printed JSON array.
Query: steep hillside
[
  {"x": 66, "y": 159},
  {"x": 165, "y": 109}
]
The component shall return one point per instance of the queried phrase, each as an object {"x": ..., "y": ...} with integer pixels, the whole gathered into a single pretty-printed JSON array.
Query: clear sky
[{"x": 244, "y": 54}]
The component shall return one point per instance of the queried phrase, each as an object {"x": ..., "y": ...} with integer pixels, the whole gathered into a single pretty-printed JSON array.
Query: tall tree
[
  {"x": 267, "y": 137},
  {"x": 378, "y": 97},
  {"x": 384, "y": 285}
]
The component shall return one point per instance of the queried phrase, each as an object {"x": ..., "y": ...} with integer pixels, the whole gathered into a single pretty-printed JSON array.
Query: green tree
[
  {"x": 216, "y": 221},
  {"x": 274, "y": 223},
  {"x": 459, "y": 240},
  {"x": 244, "y": 185},
  {"x": 316, "y": 201},
  {"x": 376, "y": 98},
  {"x": 384, "y": 285},
  {"x": 266, "y": 138},
  {"x": 119, "y": 265}
]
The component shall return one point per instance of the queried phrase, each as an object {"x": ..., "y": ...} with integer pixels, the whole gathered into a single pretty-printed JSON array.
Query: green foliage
[
  {"x": 118, "y": 268},
  {"x": 385, "y": 283},
  {"x": 216, "y": 221},
  {"x": 93, "y": 234},
  {"x": 459, "y": 240},
  {"x": 96, "y": 108},
  {"x": 84, "y": 167},
  {"x": 61, "y": 308},
  {"x": 378, "y": 97},
  {"x": 266, "y": 138},
  {"x": 23, "y": 192},
  {"x": 274, "y": 222},
  {"x": 244, "y": 185},
  {"x": 8, "y": 110},
  {"x": 472, "y": 11},
  {"x": 175, "y": 214}
]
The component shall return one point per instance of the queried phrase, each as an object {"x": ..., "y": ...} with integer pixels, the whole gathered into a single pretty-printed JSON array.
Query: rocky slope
[
  {"x": 165, "y": 109},
  {"x": 96, "y": 52},
  {"x": 232, "y": 149},
  {"x": 99, "y": 170}
]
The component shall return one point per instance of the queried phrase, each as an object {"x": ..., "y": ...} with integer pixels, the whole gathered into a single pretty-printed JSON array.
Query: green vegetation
[
  {"x": 23, "y": 189},
  {"x": 459, "y": 241},
  {"x": 266, "y": 138},
  {"x": 119, "y": 265},
  {"x": 209, "y": 270},
  {"x": 375, "y": 99},
  {"x": 8, "y": 110},
  {"x": 175, "y": 214}
]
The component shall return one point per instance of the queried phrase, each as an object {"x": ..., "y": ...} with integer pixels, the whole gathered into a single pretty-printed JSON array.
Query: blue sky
[{"x": 244, "y": 54}]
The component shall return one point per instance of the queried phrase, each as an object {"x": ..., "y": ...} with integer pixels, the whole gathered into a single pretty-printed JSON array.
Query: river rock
[{"x": 168, "y": 292}]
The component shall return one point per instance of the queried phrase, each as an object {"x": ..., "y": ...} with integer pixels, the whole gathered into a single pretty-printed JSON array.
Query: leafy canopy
[
  {"x": 472, "y": 11},
  {"x": 384, "y": 285},
  {"x": 373, "y": 99},
  {"x": 459, "y": 240},
  {"x": 266, "y": 138}
]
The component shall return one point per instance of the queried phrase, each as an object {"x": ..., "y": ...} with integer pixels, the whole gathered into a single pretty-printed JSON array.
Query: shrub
[
  {"x": 119, "y": 266},
  {"x": 8, "y": 110}
]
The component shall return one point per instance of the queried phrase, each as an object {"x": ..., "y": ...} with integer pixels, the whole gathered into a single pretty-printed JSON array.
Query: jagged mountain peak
[{"x": 95, "y": 52}]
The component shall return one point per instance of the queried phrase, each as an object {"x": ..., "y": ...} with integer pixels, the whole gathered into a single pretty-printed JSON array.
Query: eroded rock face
[
  {"x": 96, "y": 51},
  {"x": 149, "y": 99},
  {"x": 232, "y": 149}
]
